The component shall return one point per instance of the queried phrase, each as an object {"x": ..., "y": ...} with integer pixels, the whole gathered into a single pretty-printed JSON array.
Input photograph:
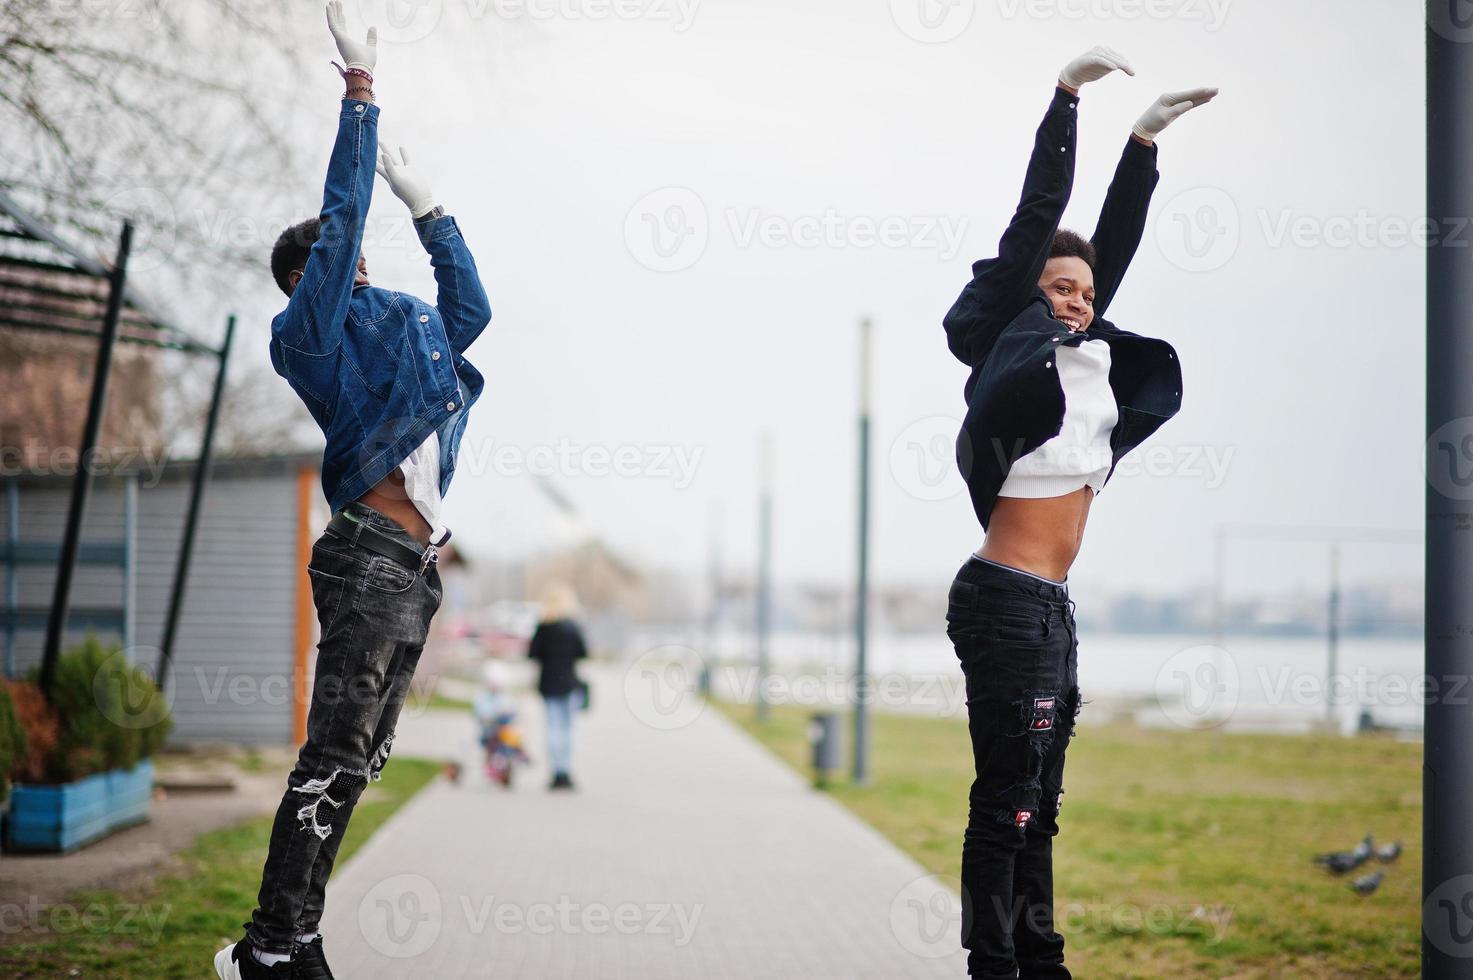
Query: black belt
[{"x": 369, "y": 537}]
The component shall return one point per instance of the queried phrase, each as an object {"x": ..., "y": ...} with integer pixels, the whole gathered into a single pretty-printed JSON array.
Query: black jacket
[
  {"x": 556, "y": 646},
  {"x": 1003, "y": 326}
]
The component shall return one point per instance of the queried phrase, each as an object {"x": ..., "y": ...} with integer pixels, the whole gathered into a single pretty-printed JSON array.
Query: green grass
[
  {"x": 438, "y": 701},
  {"x": 1157, "y": 825},
  {"x": 173, "y": 927}
]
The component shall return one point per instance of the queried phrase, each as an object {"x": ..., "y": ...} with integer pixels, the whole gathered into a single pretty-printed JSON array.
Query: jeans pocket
[
  {"x": 388, "y": 577},
  {"x": 328, "y": 593},
  {"x": 1026, "y": 627}
]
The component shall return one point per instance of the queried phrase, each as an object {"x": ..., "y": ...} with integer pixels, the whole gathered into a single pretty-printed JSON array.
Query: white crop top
[
  {"x": 1080, "y": 454},
  {"x": 422, "y": 485}
]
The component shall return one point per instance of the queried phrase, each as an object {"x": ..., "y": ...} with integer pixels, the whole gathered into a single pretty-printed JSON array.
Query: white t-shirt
[
  {"x": 1080, "y": 454},
  {"x": 422, "y": 485}
]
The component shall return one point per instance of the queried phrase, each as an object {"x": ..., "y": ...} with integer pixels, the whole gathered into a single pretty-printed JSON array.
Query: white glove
[
  {"x": 1094, "y": 64},
  {"x": 1164, "y": 111},
  {"x": 357, "y": 54},
  {"x": 407, "y": 185}
]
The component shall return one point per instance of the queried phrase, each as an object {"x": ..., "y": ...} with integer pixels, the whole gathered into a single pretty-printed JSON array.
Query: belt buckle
[{"x": 430, "y": 556}]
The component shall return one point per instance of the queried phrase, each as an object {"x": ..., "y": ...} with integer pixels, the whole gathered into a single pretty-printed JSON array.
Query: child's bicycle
[{"x": 502, "y": 740}]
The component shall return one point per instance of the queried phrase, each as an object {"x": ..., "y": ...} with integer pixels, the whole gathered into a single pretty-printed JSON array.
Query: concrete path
[{"x": 687, "y": 851}]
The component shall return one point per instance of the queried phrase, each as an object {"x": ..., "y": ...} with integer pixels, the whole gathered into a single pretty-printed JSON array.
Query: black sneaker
[
  {"x": 561, "y": 780},
  {"x": 235, "y": 962},
  {"x": 310, "y": 962}
]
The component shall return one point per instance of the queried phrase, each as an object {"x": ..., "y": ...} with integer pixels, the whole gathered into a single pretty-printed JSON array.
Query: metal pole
[
  {"x": 196, "y": 498},
  {"x": 1219, "y": 573},
  {"x": 764, "y": 573},
  {"x": 1332, "y": 665},
  {"x": 1447, "y": 770},
  {"x": 861, "y": 599},
  {"x": 713, "y": 607},
  {"x": 82, "y": 485}
]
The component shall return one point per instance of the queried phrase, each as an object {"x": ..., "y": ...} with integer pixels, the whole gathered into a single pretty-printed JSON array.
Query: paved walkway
[{"x": 687, "y": 851}]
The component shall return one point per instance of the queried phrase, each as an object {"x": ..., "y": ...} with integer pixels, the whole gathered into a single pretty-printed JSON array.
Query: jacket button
[
  {"x": 1048, "y": 363},
  {"x": 450, "y": 406},
  {"x": 358, "y": 108},
  {"x": 434, "y": 355},
  {"x": 424, "y": 318}
]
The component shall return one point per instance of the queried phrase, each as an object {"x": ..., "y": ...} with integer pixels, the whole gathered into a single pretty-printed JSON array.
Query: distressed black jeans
[
  {"x": 1014, "y": 635},
  {"x": 374, "y": 614}
]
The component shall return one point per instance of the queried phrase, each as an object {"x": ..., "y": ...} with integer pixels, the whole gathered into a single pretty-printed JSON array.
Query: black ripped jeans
[
  {"x": 1014, "y": 635},
  {"x": 374, "y": 615}
]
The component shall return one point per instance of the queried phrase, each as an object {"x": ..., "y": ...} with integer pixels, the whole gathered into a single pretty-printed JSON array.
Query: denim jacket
[
  {"x": 1003, "y": 325},
  {"x": 378, "y": 370}
]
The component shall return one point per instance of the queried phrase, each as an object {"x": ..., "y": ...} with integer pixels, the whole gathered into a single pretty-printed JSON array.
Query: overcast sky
[{"x": 682, "y": 208}]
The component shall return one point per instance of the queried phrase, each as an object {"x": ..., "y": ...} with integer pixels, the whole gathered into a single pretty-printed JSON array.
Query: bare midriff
[
  {"x": 389, "y": 498},
  {"x": 1041, "y": 535}
]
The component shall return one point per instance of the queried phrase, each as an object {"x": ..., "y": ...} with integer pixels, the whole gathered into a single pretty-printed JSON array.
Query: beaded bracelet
[{"x": 362, "y": 73}]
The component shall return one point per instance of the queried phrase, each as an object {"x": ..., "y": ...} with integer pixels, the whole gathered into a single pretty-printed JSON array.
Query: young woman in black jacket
[
  {"x": 556, "y": 646},
  {"x": 1056, "y": 396}
]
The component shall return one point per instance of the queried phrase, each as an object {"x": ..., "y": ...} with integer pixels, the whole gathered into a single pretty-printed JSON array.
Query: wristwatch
[{"x": 435, "y": 212}]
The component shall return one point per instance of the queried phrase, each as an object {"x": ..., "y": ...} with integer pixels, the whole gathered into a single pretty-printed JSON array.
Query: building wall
[
  {"x": 234, "y": 656},
  {"x": 46, "y": 384}
]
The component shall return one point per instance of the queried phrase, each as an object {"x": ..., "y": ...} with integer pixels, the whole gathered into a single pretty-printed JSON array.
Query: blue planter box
[{"x": 63, "y": 818}]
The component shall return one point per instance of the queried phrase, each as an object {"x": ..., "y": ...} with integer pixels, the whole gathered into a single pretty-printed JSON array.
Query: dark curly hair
[
  {"x": 1072, "y": 245},
  {"x": 291, "y": 250}
]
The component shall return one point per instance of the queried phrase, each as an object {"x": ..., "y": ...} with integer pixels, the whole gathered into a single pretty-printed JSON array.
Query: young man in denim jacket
[{"x": 385, "y": 376}]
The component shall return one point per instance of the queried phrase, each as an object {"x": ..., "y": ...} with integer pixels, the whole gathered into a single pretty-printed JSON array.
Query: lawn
[
  {"x": 1181, "y": 854},
  {"x": 174, "y": 926}
]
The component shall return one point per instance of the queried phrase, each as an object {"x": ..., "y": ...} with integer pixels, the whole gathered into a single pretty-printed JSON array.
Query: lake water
[{"x": 1248, "y": 683}]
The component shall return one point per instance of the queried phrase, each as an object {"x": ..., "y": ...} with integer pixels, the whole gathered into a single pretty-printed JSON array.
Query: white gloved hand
[
  {"x": 407, "y": 185},
  {"x": 356, "y": 54},
  {"x": 1164, "y": 111},
  {"x": 1094, "y": 64}
]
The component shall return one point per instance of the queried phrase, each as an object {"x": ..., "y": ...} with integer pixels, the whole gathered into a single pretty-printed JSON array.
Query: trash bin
[{"x": 823, "y": 732}]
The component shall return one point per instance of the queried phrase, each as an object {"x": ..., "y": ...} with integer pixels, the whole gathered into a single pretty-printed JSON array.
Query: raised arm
[
  {"x": 1002, "y": 286},
  {"x": 462, "y": 301},
  {"x": 315, "y": 313},
  {"x": 1123, "y": 218}
]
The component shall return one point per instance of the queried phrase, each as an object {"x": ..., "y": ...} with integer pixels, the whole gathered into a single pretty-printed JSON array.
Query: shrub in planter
[
  {"x": 40, "y": 731},
  {"x": 12, "y": 741},
  {"x": 92, "y": 745},
  {"x": 112, "y": 714}
]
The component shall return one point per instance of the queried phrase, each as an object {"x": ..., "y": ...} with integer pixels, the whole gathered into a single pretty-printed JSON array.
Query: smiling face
[{"x": 1069, "y": 284}]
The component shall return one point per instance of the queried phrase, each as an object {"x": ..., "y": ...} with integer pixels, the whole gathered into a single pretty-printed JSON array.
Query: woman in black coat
[
  {"x": 1056, "y": 396},
  {"x": 557, "y": 645}
]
